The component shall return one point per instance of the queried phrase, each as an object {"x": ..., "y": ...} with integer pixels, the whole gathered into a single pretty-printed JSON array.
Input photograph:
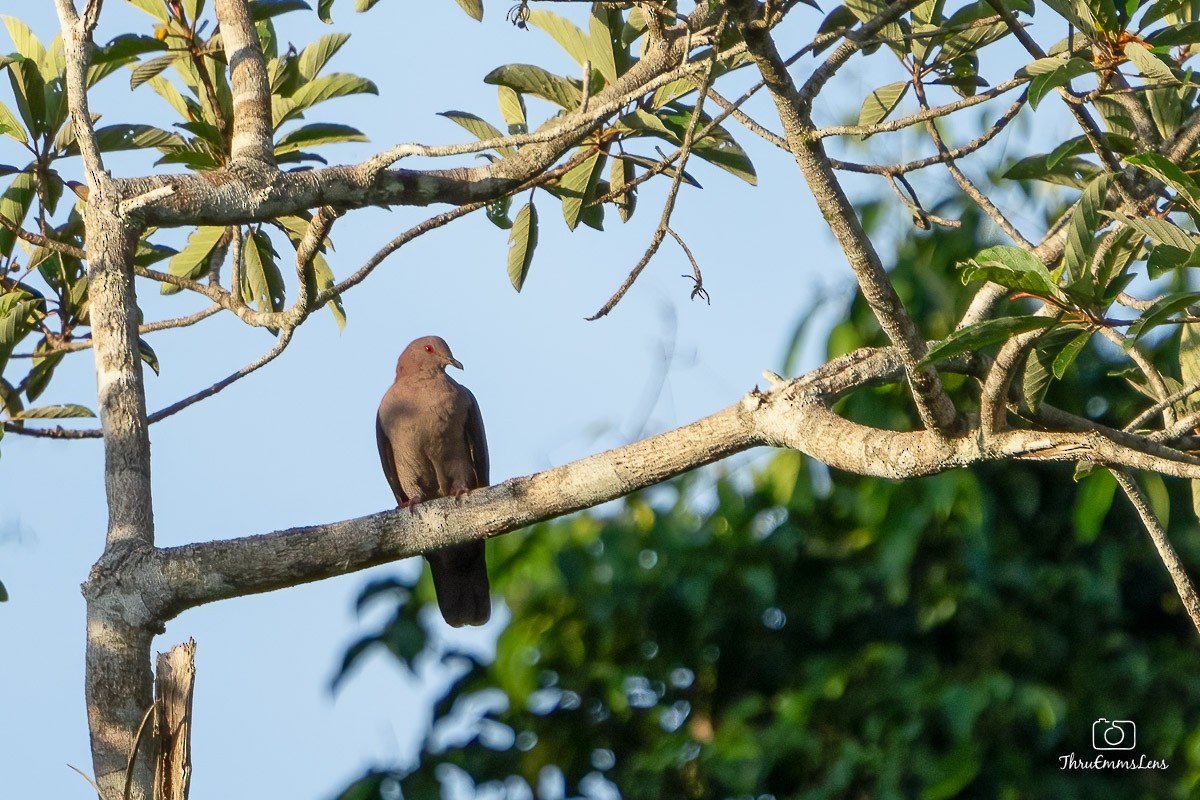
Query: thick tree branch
[
  {"x": 252, "y": 129},
  {"x": 934, "y": 406},
  {"x": 254, "y": 195},
  {"x": 796, "y": 414}
]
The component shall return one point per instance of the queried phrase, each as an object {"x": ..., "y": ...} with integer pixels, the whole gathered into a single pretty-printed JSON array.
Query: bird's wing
[
  {"x": 388, "y": 459},
  {"x": 477, "y": 441}
]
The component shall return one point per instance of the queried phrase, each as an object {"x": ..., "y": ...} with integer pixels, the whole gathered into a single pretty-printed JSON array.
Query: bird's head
[{"x": 427, "y": 354}]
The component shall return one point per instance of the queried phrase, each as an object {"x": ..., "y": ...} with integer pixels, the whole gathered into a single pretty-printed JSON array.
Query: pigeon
[{"x": 431, "y": 443}]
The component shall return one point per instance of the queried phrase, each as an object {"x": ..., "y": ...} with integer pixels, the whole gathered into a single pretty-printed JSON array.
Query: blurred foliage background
[{"x": 778, "y": 631}]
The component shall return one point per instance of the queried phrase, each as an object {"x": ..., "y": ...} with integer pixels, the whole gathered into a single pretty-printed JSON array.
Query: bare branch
[
  {"x": 285, "y": 338},
  {"x": 252, "y": 138},
  {"x": 1183, "y": 584},
  {"x": 685, "y": 149},
  {"x": 945, "y": 157},
  {"x": 922, "y": 116},
  {"x": 965, "y": 183},
  {"x": 794, "y": 413},
  {"x": 794, "y": 107}
]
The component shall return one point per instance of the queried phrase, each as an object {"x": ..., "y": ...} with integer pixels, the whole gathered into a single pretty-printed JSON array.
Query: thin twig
[
  {"x": 1154, "y": 379},
  {"x": 1170, "y": 559},
  {"x": 1175, "y": 397},
  {"x": 85, "y": 343},
  {"x": 430, "y": 224},
  {"x": 953, "y": 154},
  {"x": 966, "y": 184},
  {"x": 698, "y": 289},
  {"x": 669, "y": 206},
  {"x": 285, "y": 337},
  {"x": 924, "y": 115},
  {"x": 38, "y": 240}
]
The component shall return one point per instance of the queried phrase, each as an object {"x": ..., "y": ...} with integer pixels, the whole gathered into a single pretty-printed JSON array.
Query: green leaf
[
  {"x": 1161, "y": 231},
  {"x": 881, "y": 102},
  {"x": 11, "y": 126},
  {"x": 474, "y": 8},
  {"x": 867, "y": 10},
  {"x": 566, "y": 33},
  {"x": 522, "y": 240},
  {"x": 970, "y": 40},
  {"x": 167, "y": 91},
  {"x": 155, "y": 8},
  {"x": 29, "y": 91},
  {"x": 1050, "y": 73},
  {"x": 152, "y": 68},
  {"x": 19, "y": 312},
  {"x": 3, "y": 591},
  {"x": 622, "y": 174},
  {"x": 1071, "y": 171},
  {"x": 147, "y": 354},
  {"x": 262, "y": 283},
  {"x": 1068, "y": 354},
  {"x": 324, "y": 280},
  {"x": 1092, "y": 503},
  {"x": 126, "y": 47},
  {"x": 512, "y": 108},
  {"x": 1160, "y": 312},
  {"x": 192, "y": 261},
  {"x": 481, "y": 129},
  {"x": 1189, "y": 362},
  {"x": 577, "y": 187},
  {"x": 27, "y": 44},
  {"x": 528, "y": 79},
  {"x": 327, "y": 87},
  {"x": 1168, "y": 107},
  {"x": 1170, "y": 174},
  {"x": 314, "y": 57},
  {"x": 1151, "y": 67},
  {"x": 39, "y": 377},
  {"x": 728, "y": 155},
  {"x": 323, "y": 7},
  {"x": 69, "y": 411},
  {"x": 1175, "y": 35},
  {"x": 1081, "y": 231},
  {"x": 112, "y": 138},
  {"x": 1038, "y": 370},
  {"x": 600, "y": 45},
  {"x": 1012, "y": 267},
  {"x": 317, "y": 133},
  {"x": 266, "y": 9},
  {"x": 983, "y": 334},
  {"x": 1077, "y": 13}
]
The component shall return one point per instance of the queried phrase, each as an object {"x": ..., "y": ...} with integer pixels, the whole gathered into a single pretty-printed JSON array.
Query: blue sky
[{"x": 294, "y": 443}]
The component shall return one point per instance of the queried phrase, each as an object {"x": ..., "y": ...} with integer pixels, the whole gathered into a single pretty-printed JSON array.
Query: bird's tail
[{"x": 461, "y": 581}]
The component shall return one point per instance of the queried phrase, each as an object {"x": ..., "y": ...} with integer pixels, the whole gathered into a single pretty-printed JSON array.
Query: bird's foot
[
  {"x": 458, "y": 492},
  {"x": 411, "y": 504}
]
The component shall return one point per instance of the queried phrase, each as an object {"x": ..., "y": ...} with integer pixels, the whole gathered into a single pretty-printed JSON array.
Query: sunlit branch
[
  {"x": 966, "y": 184},
  {"x": 924, "y": 115},
  {"x": 948, "y": 156}
]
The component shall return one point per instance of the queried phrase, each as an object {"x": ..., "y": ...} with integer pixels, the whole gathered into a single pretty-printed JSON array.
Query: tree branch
[
  {"x": 252, "y": 138},
  {"x": 796, "y": 414},
  {"x": 1170, "y": 559},
  {"x": 936, "y": 410}
]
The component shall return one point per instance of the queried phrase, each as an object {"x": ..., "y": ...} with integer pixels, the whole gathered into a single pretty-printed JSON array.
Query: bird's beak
[{"x": 454, "y": 362}]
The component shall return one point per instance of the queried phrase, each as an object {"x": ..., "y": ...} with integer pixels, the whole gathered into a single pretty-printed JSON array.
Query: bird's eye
[{"x": 428, "y": 348}]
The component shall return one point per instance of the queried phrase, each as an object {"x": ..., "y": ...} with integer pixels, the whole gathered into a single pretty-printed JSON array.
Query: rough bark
[{"x": 174, "y": 680}]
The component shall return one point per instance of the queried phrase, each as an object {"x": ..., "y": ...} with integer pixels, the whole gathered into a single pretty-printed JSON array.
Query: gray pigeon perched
[{"x": 431, "y": 443}]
